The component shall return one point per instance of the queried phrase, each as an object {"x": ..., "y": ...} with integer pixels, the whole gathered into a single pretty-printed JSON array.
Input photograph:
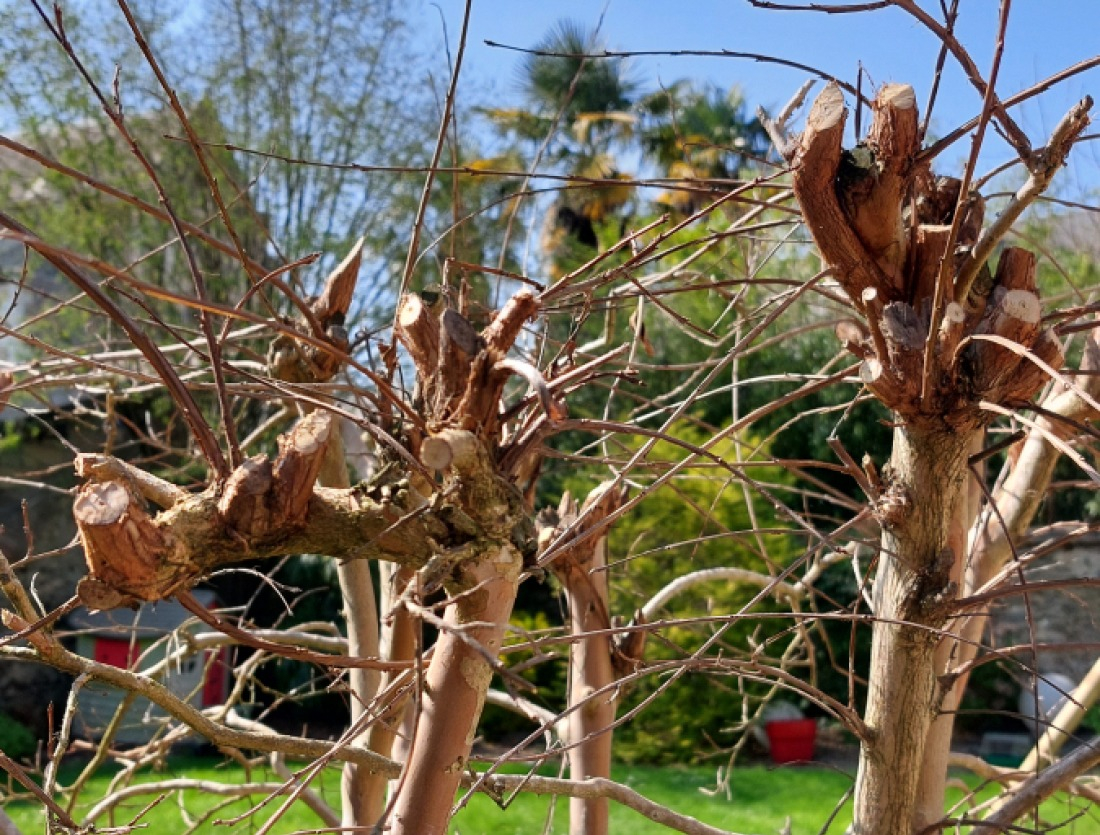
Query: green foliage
[
  {"x": 16, "y": 740},
  {"x": 10, "y": 439},
  {"x": 333, "y": 81},
  {"x": 761, "y": 799},
  {"x": 1091, "y": 722},
  {"x": 571, "y": 85},
  {"x": 699, "y": 520},
  {"x": 700, "y": 132}
]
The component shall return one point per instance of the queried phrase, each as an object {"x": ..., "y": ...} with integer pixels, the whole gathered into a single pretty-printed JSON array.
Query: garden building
[{"x": 139, "y": 640}]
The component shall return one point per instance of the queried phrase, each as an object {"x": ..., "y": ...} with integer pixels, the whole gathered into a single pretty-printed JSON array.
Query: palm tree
[
  {"x": 701, "y": 135},
  {"x": 577, "y": 116}
]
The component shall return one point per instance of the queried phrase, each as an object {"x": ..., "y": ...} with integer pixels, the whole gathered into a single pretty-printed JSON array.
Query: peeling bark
[
  {"x": 912, "y": 598},
  {"x": 592, "y": 702},
  {"x": 454, "y": 692},
  {"x": 933, "y": 353}
]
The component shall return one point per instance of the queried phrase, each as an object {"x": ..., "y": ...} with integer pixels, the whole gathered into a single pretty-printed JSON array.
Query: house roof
[{"x": 150, "y": 620}]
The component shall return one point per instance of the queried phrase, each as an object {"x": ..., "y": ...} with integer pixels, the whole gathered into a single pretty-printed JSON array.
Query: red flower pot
[{"x": 792, "y": 740}]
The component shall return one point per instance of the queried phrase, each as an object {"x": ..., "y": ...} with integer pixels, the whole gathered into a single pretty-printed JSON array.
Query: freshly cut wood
[
  {"x": 853, "y": 336},
  {"x": 1016, "y": 269},
  {"x": 418, "y": 329},
  {"x": 874, "y": 375},
  {"x": 93, "y": 466},
  {"x": 875, "y": 179},
  {"x": 816, "y": 160},
  {"x": 1014, "y": 315},
  {"x": 435, "y": 453},
  {"x": 123, "y": 547}
]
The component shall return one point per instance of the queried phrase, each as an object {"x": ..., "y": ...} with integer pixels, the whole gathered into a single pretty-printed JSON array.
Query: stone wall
[{"x": 1064, "y": 615}]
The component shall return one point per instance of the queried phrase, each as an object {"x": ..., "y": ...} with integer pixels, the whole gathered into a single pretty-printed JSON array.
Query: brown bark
[
  {"x": 592, "y": 702},
  {"x": 358, "y": 800},
  {"x": 929, "y": 247},
  {"x": 123, "y": 546},
  {"x": 483, "y": 587},
  {"x": 1042, "y": 167},
  {"x": 817, "y": 160},
  {"x": 262, "y": 510},
  {"x": 912, "y": 598},
  {"x": 397, "y": 642},
  {"x": 1014, "y": 315},
  {"x": 880, "y": 177},
  {"x": 1017, "y": 500},
  {"x": 454, "y": 693},
  {"x": 934, "y": 355}
]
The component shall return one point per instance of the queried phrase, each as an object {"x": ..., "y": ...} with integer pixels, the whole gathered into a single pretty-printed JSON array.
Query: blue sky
[{"x": 1044, "y": 36}]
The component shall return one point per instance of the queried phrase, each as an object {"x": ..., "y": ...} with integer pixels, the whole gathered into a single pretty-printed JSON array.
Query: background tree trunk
[
  {"x": 358, "y": 804},
  {"x": 592, "y": 701}
]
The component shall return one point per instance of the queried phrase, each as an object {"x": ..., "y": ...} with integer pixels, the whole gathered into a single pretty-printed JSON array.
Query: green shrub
[
  {"x": 16, "y": 740},
  {"x": 1092, "y": 720}
]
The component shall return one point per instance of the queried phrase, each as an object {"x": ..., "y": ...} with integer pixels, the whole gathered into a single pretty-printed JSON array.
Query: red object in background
[
  {"x": 118, "y": 652},
  {"x": 792, "y": 740},
  {"x": 216, "y": 685}
]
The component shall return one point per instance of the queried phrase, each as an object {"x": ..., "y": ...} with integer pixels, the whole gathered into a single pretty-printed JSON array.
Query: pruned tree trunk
[
  {"x": 397, "y": 642},
  {"x": 990, "y": 550},
  {"x": 482, "y": 579},
  {"x": 471, "y": 538},
  {"x": 942, "y": 345},
  {"x": 923, "y": 540},
  {"x": 454, "y": 692},
  {"x": 358, "y": 800}
]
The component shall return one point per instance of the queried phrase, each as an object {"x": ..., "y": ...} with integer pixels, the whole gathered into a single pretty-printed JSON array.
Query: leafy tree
[
  {"x": 699, "y": 135},
  {"x": 579, "y": 114}
]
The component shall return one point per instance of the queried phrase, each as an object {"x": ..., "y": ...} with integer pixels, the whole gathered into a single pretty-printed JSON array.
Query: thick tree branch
[
  {"x": 1028, "y": 795},
  {"x": 1042, "y": 171}
]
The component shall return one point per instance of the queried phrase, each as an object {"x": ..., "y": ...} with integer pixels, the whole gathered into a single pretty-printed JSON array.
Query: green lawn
[{"x": 761, "y": 801}]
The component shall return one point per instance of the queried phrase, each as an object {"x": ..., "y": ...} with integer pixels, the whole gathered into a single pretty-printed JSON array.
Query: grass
[{"x": 761, "y": 801}]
